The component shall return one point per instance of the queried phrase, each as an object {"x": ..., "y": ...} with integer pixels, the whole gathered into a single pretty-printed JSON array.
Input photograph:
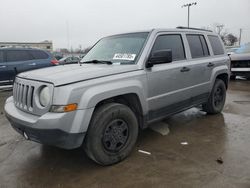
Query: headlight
[{"x": 44, "y": 96}]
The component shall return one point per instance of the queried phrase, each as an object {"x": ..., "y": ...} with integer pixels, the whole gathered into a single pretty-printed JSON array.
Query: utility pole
[
  {"x": 188, "y": 5},
  {"x": 67, "y": 30},
  {"x": 240, "y": 36}
]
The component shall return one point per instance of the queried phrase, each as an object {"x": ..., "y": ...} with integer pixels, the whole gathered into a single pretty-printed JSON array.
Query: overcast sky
[{"x": 88, "y": 20}]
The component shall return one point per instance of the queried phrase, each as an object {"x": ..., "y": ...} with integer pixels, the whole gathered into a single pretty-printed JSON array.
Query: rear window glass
[
  {"x": 37, "y": 54},
  {"x": 198, "y": 46},
  {"x": 216, "y": 45},
  {"x": 18, "y": 55},
  {"x": 1, "y": 57}
]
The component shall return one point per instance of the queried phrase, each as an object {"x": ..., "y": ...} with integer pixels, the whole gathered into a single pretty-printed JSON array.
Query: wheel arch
[
  {"x": 131, "y": 100},
  {"x": 220, "y": 72},
  {"x": 224, "y": 77}
]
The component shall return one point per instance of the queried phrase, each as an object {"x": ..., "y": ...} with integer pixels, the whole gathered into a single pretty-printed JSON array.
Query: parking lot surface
[{"x": 200, "y": 151}]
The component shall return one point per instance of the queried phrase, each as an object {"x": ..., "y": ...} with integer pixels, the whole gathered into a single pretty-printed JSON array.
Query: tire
[
  {"x": 112, "y": 134},
  {"x": 217, "y": 98}
]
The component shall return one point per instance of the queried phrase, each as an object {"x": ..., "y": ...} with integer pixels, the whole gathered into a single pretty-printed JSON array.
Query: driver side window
[{"x": 172, "y": 42}]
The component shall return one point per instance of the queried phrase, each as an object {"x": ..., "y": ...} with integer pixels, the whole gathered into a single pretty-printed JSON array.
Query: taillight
[{"x": 54, "y": 62}]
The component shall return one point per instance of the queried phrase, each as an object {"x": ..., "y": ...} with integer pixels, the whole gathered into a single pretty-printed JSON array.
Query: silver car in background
[{"x": 240, "y": 62}]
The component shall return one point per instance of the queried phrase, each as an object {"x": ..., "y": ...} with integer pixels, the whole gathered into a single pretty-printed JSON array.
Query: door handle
[
  {"x": 210, "y": 64},
  {"x": 2, "y": 67},
  {"x": 32, "y": 64},
  {"x": 185, "y": 69}
]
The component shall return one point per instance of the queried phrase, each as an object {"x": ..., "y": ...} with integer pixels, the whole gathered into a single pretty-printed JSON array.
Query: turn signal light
[
  {"x": 70, "y": 107},
  {"x": 63, "y": 108}
]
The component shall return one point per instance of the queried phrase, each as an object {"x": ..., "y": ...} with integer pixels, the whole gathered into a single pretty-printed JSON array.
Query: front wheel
[
  {"x": 112, "y": 134},
  {"x": 217, "y": 98}
]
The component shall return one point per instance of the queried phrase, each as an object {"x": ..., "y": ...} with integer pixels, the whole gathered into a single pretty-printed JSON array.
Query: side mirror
[{"x": 159, "y": 57}]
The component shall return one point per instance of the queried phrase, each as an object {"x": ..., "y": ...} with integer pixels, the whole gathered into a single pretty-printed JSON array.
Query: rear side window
[
  {"x": 1, "y": 56},
  {"x": 18, "y": 55},
  {"x": 172, "y": 42},
  {"x": 37, "y": 54},
  {"x": 216, "y": 45},
  {"x": 198, "y": 46}
]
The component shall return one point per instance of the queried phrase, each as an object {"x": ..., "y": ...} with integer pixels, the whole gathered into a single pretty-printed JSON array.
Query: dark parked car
[
  {"x": 16, "y": 60},
  {"x": 240, "y": 62}
]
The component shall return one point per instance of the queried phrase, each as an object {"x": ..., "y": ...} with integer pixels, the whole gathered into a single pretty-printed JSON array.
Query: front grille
[
  {"x": 240, "y": 64},
  {"x": 23, "y": 96}
]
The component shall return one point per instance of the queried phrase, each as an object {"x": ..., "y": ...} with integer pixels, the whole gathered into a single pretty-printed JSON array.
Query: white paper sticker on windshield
[{"x": 128, "y": 57}]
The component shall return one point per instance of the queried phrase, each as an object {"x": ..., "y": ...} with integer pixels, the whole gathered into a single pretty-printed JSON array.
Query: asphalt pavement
[{"x": 199, "y": 151}]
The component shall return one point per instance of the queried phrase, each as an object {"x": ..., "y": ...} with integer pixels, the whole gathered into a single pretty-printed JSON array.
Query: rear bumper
[{"x": 48, "y": 129}]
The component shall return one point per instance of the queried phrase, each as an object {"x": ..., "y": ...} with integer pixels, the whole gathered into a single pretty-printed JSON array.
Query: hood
[
  {"x": 65, "y": 74},
  {"x": 240, "y": 57}
]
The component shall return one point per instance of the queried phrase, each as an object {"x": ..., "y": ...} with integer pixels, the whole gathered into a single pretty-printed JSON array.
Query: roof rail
[
  {"x": 198, "y": 29},
  {"x": 16, "y": 46}
]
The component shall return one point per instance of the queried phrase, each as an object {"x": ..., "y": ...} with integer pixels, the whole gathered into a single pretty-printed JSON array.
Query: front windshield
[
  {"x": 120, "y": 49},
  {"x": 243, "y": 49}
]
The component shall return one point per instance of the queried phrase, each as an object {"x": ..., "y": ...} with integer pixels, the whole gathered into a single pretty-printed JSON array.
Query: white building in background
[{"x": 45, "y": 45}]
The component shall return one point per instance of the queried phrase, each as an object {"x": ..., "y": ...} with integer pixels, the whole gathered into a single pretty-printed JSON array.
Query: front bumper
[
  {"x": 46, "y": 129},
  {"x": 241, "y": 71}
]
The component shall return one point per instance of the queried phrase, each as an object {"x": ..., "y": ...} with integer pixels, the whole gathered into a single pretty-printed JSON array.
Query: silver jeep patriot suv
[{"x": 124, "y": 83}]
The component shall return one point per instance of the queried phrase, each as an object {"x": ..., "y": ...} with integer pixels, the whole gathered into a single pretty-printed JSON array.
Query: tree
[
  {"x": 64, "y": 50},
  {"x": 218, "y": 28},
  {"x": 230, "y": 39},
  {"x": 86, "y": 50}
]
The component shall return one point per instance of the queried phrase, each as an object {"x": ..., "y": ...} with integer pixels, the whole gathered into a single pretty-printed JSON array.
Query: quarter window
[
  {"x": 198, "y": 46},
  {"x": 171, "y": 42},
  {"x": 17, "y": 55},
  {"x": 216, "y": 45},
  {"x": 37, "y": 54}
]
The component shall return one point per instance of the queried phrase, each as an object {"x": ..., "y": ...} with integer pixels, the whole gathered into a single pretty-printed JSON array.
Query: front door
[{"x": 169, "y": 85}]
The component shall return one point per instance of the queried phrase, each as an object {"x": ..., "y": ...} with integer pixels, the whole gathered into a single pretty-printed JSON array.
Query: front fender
[{"x": 95, "y": 94}]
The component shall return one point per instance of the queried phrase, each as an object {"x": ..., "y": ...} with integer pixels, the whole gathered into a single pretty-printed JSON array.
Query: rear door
[
  {"x": 40, "y": 58},
  {"x": 201, "y": 65}
]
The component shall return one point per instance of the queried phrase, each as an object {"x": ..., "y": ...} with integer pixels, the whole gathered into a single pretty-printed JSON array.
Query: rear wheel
[
  {"x": 112, "y": 134},
  {"x": 217, "y": 98}
]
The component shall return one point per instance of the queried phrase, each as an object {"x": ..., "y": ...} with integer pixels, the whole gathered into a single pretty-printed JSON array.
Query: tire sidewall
[
  {"x": 98, "y": 126},
  {"x": 221, "y": 84}
]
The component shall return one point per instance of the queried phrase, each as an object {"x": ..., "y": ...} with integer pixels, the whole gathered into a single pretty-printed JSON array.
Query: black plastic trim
[
  {"x": 53, "y": 137},
  {"x": 169, "y": 110}
]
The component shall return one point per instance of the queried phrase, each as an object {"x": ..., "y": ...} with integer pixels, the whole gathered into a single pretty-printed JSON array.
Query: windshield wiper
[{"x": 98, "y": 62}]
